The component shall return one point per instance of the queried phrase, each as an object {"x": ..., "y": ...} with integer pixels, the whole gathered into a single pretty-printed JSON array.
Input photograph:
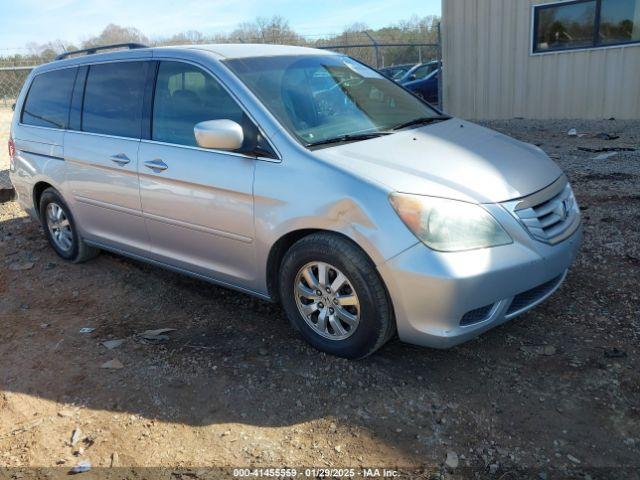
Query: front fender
[{"x": 311, "y": 194}]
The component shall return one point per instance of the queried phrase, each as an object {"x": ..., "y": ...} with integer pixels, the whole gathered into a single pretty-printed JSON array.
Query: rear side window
[
  {"x": 113, "y": 99},
  {"x": 49, "y": 99}
]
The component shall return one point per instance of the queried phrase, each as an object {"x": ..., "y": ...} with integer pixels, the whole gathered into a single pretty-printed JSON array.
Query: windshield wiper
[
  {"x": 353, "y": 137},
  {"x": 421, "y": 121}
]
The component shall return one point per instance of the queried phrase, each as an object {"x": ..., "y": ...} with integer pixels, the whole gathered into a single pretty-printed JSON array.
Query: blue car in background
[
  {"x": 422, "y": 80},
  {"x": 396, "y": 72}
]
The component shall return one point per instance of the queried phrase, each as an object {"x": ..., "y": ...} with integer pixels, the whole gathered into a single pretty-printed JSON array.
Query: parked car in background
[
  {"x": 295, "y": 175},
  {"x": 396, "y": 72},
  {"x": 418, "y": 72},
  {"x": 423, "y": 80}
]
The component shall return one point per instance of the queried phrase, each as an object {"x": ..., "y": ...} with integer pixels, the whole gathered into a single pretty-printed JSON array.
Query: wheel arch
[
  {"x": 38, "y": 189},
  {"x": 286, "y": 241}
]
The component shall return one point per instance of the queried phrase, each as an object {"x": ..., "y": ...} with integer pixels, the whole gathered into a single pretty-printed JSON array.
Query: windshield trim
[{"x": 289, "y": 130}]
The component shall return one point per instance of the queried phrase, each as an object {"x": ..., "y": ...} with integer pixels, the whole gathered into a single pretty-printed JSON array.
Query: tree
[
  {"x": 278, "y": 31},
  {"x": 191, "y": 37},
  {"x": 113, "y": 34},
  {"x": 266, "y": 30},
  {"x": 46, "y": 51}
]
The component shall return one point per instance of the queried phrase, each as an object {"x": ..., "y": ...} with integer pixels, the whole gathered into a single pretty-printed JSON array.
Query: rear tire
[
  {"x": 334, "y": 296},
  {"x": 60, "y": 229}
]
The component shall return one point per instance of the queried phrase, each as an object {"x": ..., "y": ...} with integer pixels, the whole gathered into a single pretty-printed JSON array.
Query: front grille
[
  {"x": 525, "y": 299},
  {"x": 477, "y": 315},
  {"x": 550, "y": 215}
]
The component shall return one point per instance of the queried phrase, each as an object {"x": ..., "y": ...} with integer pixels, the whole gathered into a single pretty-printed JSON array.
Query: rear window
[
  {"x": 113, "y": 99},
  {"x": 49, "y": 98}
]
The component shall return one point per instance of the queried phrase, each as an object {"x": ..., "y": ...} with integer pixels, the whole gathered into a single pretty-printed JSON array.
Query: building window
[{"x": 586, "y": 24}]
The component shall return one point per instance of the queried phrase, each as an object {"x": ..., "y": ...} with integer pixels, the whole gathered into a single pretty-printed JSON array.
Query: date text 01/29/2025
[{"x": 315, "y": 472}]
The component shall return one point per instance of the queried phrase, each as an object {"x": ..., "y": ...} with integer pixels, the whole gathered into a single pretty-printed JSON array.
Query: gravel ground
[{"x": 554, "y": 393}]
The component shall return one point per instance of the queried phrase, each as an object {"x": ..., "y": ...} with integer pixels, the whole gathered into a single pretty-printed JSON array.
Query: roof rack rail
[{"x": 92, "y": 50}]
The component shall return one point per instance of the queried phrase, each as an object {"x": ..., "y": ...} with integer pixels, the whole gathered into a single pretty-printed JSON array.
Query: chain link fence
[
  {"x": 379, "y": 50},
  {"x": 12, "y": 76}
]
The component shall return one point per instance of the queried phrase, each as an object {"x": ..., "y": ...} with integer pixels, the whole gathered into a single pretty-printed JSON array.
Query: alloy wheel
[
  {"x": 327, "y": 300},
  {"x": 59, "y": 227}
]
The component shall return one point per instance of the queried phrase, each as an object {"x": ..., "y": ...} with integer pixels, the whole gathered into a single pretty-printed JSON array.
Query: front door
[{"x": 197, "y": 203}]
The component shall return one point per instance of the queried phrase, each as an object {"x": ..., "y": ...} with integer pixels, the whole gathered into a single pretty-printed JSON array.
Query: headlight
[{"x": 449, "y": 225}]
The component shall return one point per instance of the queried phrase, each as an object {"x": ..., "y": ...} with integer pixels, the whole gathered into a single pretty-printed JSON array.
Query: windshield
[
  {"x": 399, "y": 73},
  {"x": 395, "y": 72},
  {"x": 319, "y": 98},
  {"x": 424, "y": 71}
]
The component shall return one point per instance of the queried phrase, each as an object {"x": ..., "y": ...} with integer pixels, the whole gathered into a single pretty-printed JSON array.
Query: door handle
[
  {"x": 121, "y": 159},
  {"x": 156, "y": 165}
]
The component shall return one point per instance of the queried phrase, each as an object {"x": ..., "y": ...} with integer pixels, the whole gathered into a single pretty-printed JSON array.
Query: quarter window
[
  {"x": 586, "y": 24},
  {"x": 113, "y": 99},
  {"x": 49, "y": 98},
  {"x": 184, "y": 96}
]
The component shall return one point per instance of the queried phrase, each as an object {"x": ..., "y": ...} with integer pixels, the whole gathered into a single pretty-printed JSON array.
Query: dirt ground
[
  {"x": 554, "y": 393},
  {"x": 5, "y": 123}
]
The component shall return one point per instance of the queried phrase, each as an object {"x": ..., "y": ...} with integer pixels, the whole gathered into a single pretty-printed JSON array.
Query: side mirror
[
  {"x": 219, "y": 134},
  {"x": 412, "y": 77}
]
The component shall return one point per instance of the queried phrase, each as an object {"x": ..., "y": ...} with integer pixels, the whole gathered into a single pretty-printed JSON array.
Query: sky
[{"x": 39, "y": 21}]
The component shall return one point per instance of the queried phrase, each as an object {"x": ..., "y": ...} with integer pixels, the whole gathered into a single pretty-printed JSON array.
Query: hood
[{"x": 451, "y": 159}]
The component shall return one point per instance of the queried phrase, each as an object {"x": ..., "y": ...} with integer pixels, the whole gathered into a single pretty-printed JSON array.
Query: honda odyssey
[{"x": 295, "y": 175}]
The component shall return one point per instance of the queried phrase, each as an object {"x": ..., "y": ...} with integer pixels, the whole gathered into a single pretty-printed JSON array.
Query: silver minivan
[{"x": 296, "y": 175}]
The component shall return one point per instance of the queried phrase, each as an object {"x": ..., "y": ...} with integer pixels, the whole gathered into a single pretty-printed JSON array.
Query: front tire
[
  {"x": 60, "y": 228},
  {"x": 334, "y": 297}
]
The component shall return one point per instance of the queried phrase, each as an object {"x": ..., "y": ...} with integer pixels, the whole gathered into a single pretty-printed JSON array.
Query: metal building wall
[{"x": 489, "y": 72}]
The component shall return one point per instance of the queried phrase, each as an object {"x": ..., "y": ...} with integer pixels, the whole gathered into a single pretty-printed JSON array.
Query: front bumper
[{"x": 444, "y": 299}]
